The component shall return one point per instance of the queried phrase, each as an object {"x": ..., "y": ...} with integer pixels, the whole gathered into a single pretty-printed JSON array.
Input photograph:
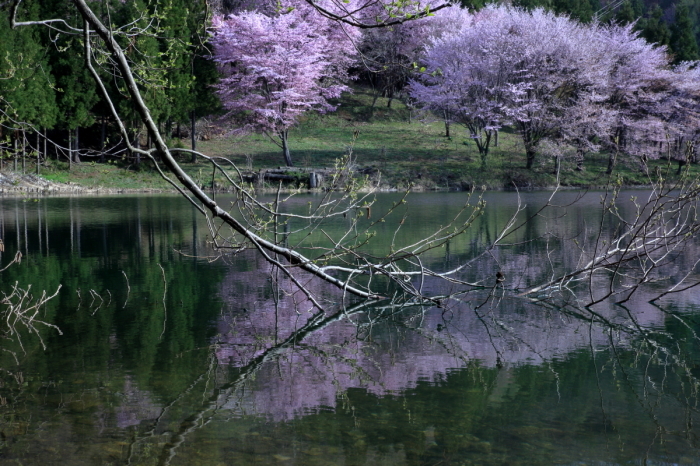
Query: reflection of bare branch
[
  {"x": 655, "y": 234},
  {"x": 165, "y": 308},
  {"x": 128, "y": 289},
  {"x": 211, "y": 405},
  {"x": 21, "y": 308},
  {"x": 94, "y": 295},
  {"x": 16, "y": 260}
]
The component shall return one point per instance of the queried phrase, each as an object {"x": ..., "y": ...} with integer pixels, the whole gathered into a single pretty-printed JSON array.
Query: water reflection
[{"x": 226, "y": 362}]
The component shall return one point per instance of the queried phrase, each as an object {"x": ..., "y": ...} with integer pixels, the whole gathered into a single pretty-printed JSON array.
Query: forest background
[{"x": 51, "y": 118}]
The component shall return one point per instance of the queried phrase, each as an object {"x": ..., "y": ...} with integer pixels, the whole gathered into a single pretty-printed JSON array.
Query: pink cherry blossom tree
[
  {"x": 636, "y": 85},
  {"x": 457, "y": 84},
  {"x": 581, "y": 86},
  {"x": 528, "y": 69},
  {"x": 275, "y": 67},
  {"x": 390, "y": 55}
]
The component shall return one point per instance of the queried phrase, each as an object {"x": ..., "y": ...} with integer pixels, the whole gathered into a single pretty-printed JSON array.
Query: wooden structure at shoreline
[{"x": 311, "y": 177}]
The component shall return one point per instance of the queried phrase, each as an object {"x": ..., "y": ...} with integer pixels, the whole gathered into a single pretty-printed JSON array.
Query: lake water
[{"x": 165, "y": 352}]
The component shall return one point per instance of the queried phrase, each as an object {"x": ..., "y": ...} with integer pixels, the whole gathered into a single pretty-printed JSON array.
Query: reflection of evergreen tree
[{"x": 119, "y": 324}]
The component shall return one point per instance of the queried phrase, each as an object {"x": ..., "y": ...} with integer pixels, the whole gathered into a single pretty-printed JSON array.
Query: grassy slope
[{"x": 402, "y": 152}]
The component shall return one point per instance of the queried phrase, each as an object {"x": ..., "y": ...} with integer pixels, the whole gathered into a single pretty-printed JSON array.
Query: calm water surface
[{"x": 170, "y": 354}]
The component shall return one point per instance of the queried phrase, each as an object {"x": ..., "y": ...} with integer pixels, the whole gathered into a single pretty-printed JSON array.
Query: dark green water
[{"x": 167, "y": 356}]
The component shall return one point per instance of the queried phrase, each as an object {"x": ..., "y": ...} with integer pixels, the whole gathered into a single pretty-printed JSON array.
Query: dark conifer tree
[
  {"x": 654, "y": 28},
  {"x": 625, "y": 14},
  {"x": 683, "y": 43},
  {"x": 27, "y": 87}
]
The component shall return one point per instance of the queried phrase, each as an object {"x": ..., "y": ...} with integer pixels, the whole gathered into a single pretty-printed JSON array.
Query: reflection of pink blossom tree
[{"x": 275, "y": 68}]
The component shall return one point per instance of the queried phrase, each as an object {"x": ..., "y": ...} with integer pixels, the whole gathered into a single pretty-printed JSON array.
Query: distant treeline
[{"x": 49, "y": 102}]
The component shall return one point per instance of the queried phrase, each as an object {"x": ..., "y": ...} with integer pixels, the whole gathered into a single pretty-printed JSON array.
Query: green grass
[
  {"x": 417, "y": 153},
  {"x": 395, "y": 152},
  {"x": 105, "y": 175}
]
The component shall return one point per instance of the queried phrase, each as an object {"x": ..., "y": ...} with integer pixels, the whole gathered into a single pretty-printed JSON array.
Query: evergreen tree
[
  {"x": 190, "y": 74},
  {"x": 625, "y": 14},
  {"x": 654, "y": 28},
  {"x": 531, "y": 4},
  {"x": 638, "y": 8},
  {"x": 683, "y": 43},
  {"x": 176, "y": 47},
  {"x": 583, "y": 10},
  {"x": 76, "y": 93},
  {"x": 27, "y": 96}
]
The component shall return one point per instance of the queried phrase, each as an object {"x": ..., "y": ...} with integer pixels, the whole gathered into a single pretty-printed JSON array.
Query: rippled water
[{"x": 170, "y": 354}]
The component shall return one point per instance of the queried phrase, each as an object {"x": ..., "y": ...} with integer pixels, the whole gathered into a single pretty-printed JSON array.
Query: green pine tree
[
  {"x": 683, "y": 43},
  {"x": 27, "y": 86},
  {"x": 625, "y": 14},
  {"x": 654, "y": 28}
]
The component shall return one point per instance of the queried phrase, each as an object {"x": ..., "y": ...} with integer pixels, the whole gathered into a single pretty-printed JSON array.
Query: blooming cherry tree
[
  {"x": 390, "y": 55},
  {"x": 277, "y": 67},
  {"x": 528, "y": 69}
]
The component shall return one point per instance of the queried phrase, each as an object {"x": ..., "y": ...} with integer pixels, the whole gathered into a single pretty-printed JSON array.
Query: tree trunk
[
  {"x": 681, "y": 164},
  {"x": 76, "y": 155},
  {"x": 70, "y": 150},
  {"x": 495, "y": 139},
  {"x": 285, "y": 148},
  {"x": 38, "y": 154},
  {"x": 530, "y": 153},
  {"x": 611, "y": 162},
  {"x": 193, "y": 135},
  {"x": 135, "y": 143},
  {"x": 14, "y": 153},
  {"x": 24, "y": 152},
  {"x": 579, "y": 160},
  {"x": 103, "y": 130}
]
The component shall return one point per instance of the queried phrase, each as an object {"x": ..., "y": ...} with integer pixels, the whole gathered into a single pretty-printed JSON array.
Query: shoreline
[{"x": 12, "y": 185}]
